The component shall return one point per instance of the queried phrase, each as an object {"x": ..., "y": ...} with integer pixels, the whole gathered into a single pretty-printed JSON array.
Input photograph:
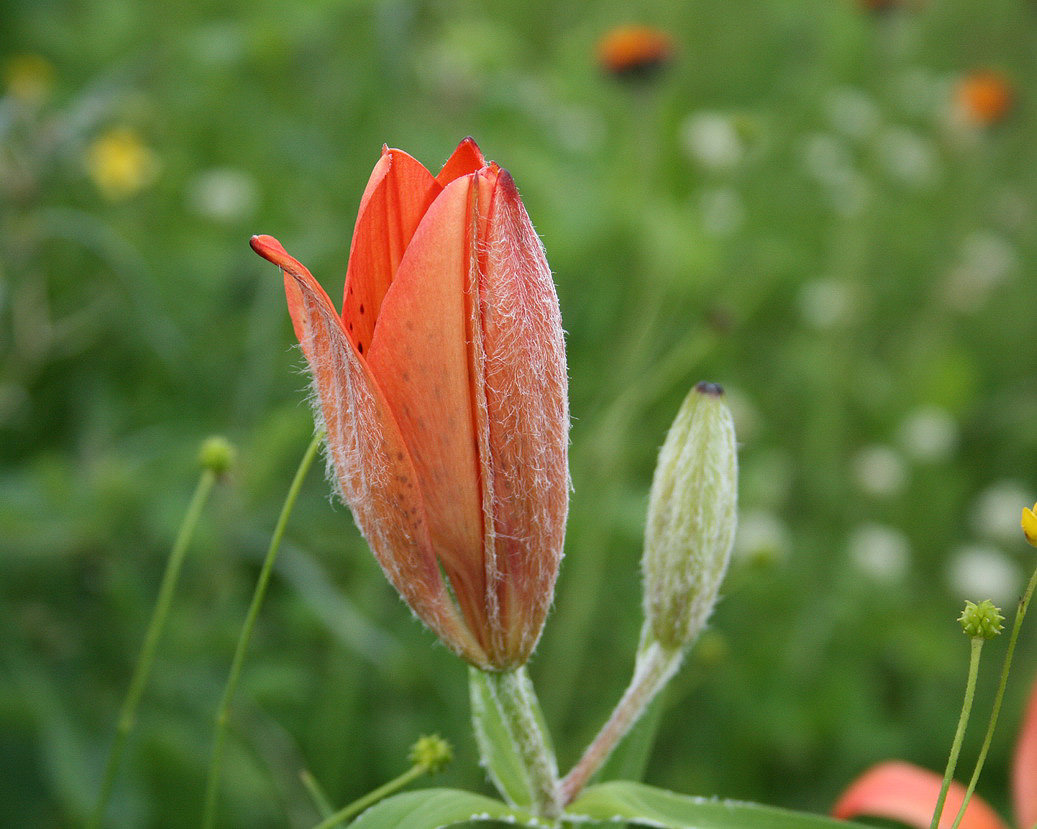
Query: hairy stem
[
  {"x": 513, "y": 694},
  {"x": 655, "y": 666}
]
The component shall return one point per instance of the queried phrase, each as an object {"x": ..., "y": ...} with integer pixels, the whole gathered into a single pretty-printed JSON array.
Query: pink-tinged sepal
[
  {"x": 907, "y": 793},
  {"x": 522, "y": 407}
]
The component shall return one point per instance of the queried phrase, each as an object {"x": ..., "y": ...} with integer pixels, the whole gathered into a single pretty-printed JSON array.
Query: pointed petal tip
[
  {"x": 268, "y": 247},
  {"x": 273, "y": 251}
]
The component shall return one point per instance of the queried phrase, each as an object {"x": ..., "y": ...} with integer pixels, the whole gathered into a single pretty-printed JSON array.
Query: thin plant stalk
[
  {"x": 514, "y": 696},
  {"x": 159, "y": 616},
  {"x": 959, "y": 735},
  {"x": 655, "y": 666},
  {"x": 223, "y": 714},
  {"x": 1020, "y": 614},
  {"x": 372, "y": 797}
]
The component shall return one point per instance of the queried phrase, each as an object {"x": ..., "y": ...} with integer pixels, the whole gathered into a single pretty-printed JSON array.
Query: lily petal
[
  {"x": 1024, "y": 769},
  {"x": 420, "y": 357},
  {"x": 907, "y": 793},
  {"x": 523, "y": 359},
  {"x": 373, "y": 465},
  {"x": 467, "y": 158},
  {"x": 398, "y": 193}
]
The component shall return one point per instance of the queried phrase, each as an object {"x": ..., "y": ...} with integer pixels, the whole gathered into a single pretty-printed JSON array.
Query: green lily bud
[{"x": 691, "y": 519}]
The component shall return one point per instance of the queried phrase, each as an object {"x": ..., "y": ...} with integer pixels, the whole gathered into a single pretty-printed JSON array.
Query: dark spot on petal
[
  {"x": 350, "y": 328},
  {"x": 361, "y": 307},
  {"x": 399, "y": 456},
  {"x": 360, "y": 347}
]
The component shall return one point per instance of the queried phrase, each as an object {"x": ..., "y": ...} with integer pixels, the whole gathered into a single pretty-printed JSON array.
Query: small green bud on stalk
[
  {"x": 217, "y": 455},
  {"x": 691, "y": 519},
  {"x": 432, "y": 753},
  {"x": 983, "y": 620}
]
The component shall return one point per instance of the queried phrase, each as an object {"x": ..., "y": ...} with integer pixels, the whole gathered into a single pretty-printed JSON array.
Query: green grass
[{"x": 859, "y": 259}]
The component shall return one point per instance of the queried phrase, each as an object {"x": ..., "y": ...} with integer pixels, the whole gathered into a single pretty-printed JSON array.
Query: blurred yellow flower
[
  {"x": 1030, "y": 524},
  {"x": 28, "y": 78},
  {"x": 120, "y": 163}
]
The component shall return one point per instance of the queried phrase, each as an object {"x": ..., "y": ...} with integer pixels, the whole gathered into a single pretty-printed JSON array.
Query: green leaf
[
  {"x": 433, "y": 808},
  {"x": 626, "y": 802},
  {"x": 496, "y": 750}
]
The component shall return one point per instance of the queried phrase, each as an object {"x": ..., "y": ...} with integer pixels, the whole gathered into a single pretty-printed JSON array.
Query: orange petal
[
  {"x": 522, "y": 397},
  {"x": 398, "y": 194},
  {"x": 467, "y": 158},
  {"x": 374, "y": 469},
  {"x": 904, "y": 792},
  {"x": 1024, "y": 770},
  {"x": 419, "y": 357}
]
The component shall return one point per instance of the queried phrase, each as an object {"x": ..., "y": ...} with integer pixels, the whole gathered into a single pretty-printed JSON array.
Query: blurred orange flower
[
  {"x": 907, "y": 793},
  {"x": 634, "y": 51},
  {"x": 984, "y": 96}
]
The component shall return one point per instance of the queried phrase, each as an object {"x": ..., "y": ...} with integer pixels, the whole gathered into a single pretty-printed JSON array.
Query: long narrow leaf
[
  {"x": 627, "y": 802},
  {"x": 435, "y": 808}
]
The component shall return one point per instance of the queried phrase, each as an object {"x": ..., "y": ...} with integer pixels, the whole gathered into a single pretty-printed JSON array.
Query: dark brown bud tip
[{"x": 712, "y": 389}]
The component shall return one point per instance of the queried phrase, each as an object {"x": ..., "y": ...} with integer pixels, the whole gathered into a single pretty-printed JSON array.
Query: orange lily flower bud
[{"x": 442, "y": 387}]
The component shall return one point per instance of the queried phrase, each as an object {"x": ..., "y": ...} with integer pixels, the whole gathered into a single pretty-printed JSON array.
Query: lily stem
[
  {"x": 128, "y": 712},
  {"x": 223, "y": 715},
  {"x": 959, "y": 734},
  {"x": 515, "y": 698},
  {"x": 655, "y": 666},
  {"x": 1020, "y": 614}
]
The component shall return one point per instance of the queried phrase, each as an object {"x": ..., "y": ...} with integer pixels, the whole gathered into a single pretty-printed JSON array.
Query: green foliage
[{"x": 792, "y": 208}]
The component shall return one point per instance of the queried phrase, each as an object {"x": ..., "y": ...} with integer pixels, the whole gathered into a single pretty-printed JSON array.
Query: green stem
[
  {"x": 373, "y": 797},
  {"x": 655, "y": 666},
  {"x": 1020, "y": 614},
  {"x": 959, "y": 734},
  {"x": 513, "y": 694},
  {"x": 128, "y": 712},
  {"x": 223, "y": 715}
]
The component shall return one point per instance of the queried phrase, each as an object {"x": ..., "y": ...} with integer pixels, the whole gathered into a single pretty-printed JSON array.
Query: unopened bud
[
  {"x": 432, "y": 753},
  {"x": 983, "y": 620},
  {"x": 691, "y": 519},
  {"x": 217, "y": 455}
]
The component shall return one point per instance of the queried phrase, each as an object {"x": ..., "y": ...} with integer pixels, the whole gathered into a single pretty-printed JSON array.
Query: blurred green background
[{"x": 800, "y": 206}]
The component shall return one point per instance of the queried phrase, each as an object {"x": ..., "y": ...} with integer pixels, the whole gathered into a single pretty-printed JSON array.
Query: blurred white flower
[
  {"x": 223, "y": 194},
  {"x": 995, "y": 512},
  {"x": 879, "y": 470},
  {"x": 908, "y": 157},
  {"x": 711, "y": 139},
  {"x": 761, "y": 538},
  {"x": 827, "y": 303},
  {"x": 919, "y": 92},
  {"x": 928, "y": 434},
  {"x": 852, "y": 112},
  {"x": 827, "y": 158},
  {"x": 880, "y": 552},
  {"x": 723, "y": 211},
  {"x": 981, "y": 571},
  {"x": 986, "y": 261}
]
